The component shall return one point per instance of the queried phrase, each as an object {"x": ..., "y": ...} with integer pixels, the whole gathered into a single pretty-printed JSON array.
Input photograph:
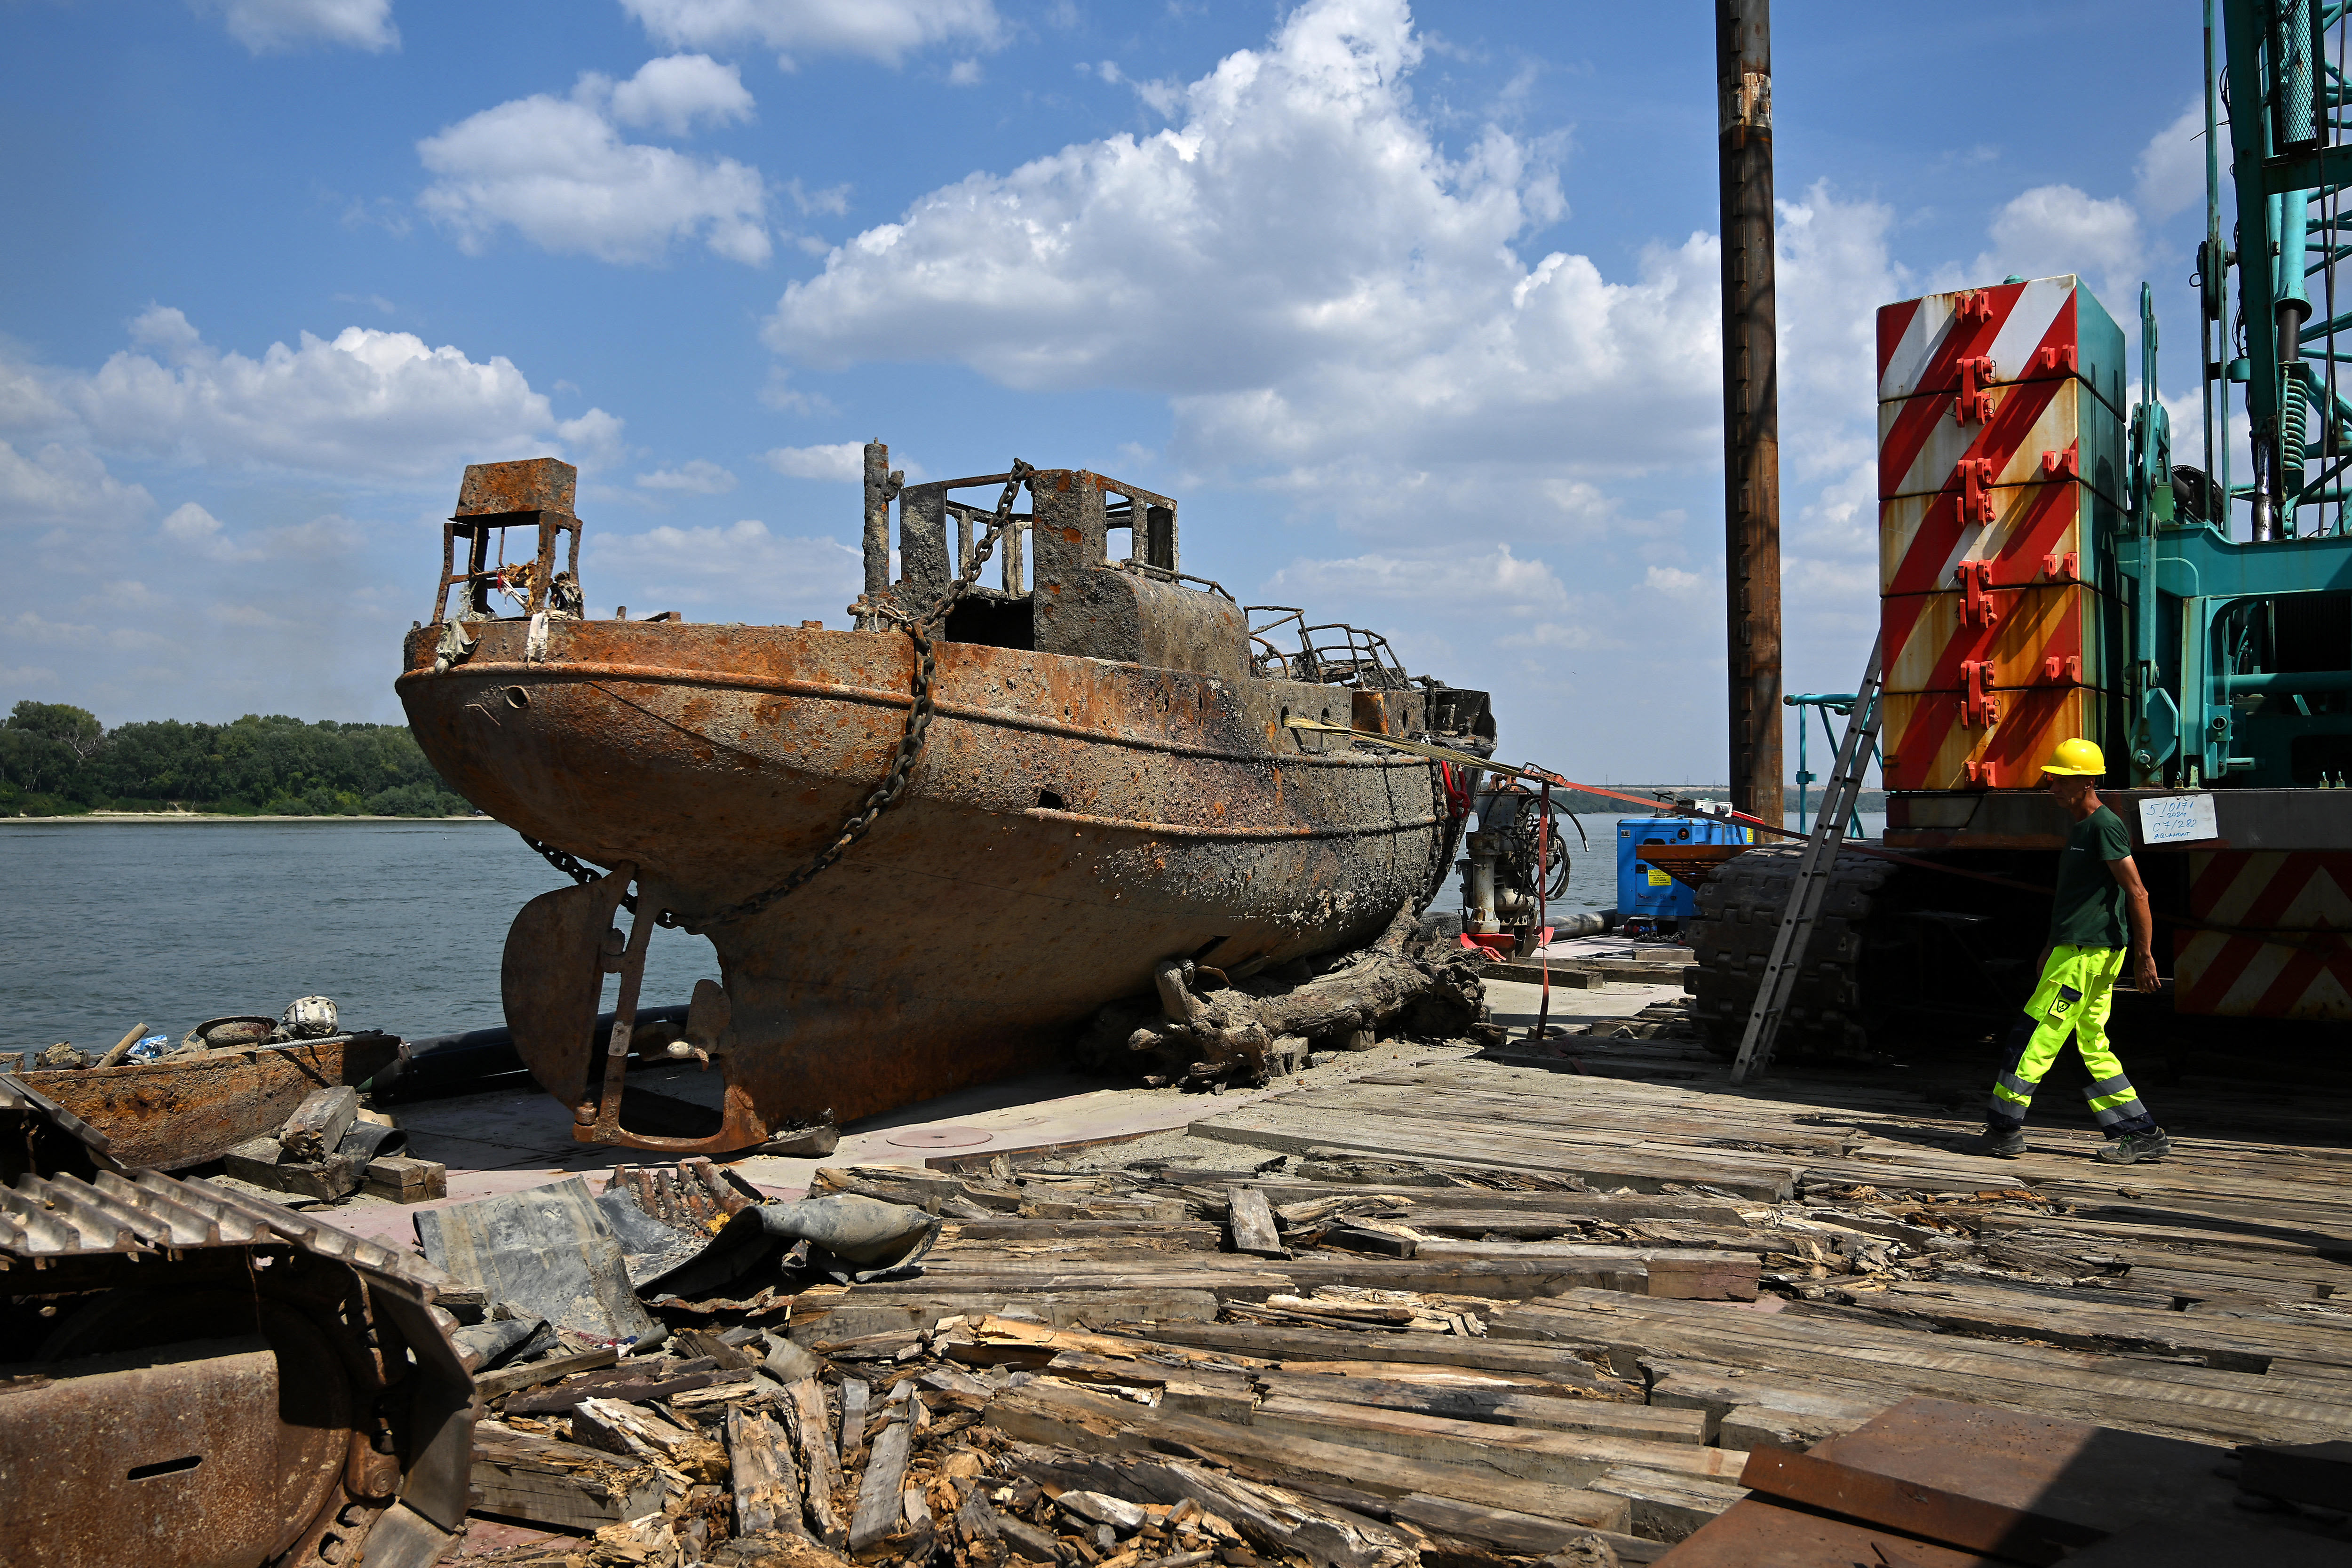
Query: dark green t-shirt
[{"x": 2089, "y": 909}]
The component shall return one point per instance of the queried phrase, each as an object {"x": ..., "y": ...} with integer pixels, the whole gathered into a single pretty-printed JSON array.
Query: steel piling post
[{"x": 1752, "y": 418}]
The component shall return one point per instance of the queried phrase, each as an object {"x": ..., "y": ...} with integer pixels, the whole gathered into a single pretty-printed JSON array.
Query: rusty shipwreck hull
[{"x": 1070, "y": 822}]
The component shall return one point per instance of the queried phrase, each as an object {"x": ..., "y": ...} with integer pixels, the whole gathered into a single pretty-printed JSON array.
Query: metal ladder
[{"x": 1814, "y": 871}]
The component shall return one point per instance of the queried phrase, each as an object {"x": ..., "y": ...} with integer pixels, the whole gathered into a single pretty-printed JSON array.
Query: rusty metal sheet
[
  {"x": 37, "y": 1135},
  {"x": 1954, "y": 1519},
  {"x": 2093, "y": 1475},
  {"x": 181, "y": 1458},
  {"x": 1757, "y": 1534},
  {"x": 2002, "y": 1486},
  {"x": 2168, "y": 1543},
  {"x": 98, "y": 1436},
  {"x": 182, "y": 1111},
  {"x": 2317, "y": 1473}
]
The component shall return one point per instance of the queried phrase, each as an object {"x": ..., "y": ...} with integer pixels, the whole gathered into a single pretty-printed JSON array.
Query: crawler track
[{"x": 1739, "y": 908}]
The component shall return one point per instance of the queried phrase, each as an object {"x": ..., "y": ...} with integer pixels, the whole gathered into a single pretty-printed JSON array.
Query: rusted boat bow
[{"x": 1048, "y": 789}]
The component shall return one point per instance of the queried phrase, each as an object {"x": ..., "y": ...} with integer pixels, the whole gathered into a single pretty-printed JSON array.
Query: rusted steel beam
[
  {"x": 1751, "y": 406},
  {"x": 881, "y": 485},
  {"x": 185, "y": 1108}
]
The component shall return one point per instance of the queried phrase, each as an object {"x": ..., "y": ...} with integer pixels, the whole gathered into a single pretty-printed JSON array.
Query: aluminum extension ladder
[{"x": 1813, "y": 871}]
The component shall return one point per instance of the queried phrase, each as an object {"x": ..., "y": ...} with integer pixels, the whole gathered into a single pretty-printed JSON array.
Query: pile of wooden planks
[
  {"x": 330, "y": 1147},
  {"x": 1458, "y": 1313}
]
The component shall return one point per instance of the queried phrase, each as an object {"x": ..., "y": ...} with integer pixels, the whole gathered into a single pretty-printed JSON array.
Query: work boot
[
  {"x": 2001, "y": 1145},
  {"x": 2133, "y": 1147}
]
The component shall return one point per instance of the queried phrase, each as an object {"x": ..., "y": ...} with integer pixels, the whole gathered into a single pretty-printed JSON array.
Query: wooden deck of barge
[{"x": 1484, "y": 1306}]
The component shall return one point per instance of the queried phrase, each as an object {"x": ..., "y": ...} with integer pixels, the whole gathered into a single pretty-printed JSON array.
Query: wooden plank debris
[
  {"x": 1452, "y": 1312},
  {"x": 262, "y": 1161},
  {"x": 879, "y": 1504},
  {"x": 810, "y": 1426},
  {"x": 853, "y": 1395},
  {"x": 317, "y": 1126},
  {"x": 405, "y": 1181},
  {"x": 530, "y": 1375},
  {"x": 1251, "y": 1218},
  {"x": 565, "y": 1486}
]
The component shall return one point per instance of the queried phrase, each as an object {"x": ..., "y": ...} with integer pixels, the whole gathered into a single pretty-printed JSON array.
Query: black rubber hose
[{"x": 461, "y": 1064}]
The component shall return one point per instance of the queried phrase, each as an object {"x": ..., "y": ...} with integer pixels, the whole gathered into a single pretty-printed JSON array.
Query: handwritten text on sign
[{"x": 2178, "y": 818}]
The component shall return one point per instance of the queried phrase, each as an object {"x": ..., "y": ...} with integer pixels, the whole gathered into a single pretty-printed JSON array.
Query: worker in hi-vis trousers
[{"x": 2098, "y": 890}]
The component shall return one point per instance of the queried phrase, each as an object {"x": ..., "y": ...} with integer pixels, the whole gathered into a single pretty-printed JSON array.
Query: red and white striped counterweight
[
  {"x": 2234, "y": 971},
  {"x": 2001, "y": 476}
]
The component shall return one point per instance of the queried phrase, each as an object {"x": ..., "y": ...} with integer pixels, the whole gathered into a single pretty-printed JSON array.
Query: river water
[{"x": 104, "y": 925}]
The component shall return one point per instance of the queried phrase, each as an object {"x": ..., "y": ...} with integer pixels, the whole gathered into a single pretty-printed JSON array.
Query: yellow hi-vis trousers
[{"x": 2076, "y": 989}]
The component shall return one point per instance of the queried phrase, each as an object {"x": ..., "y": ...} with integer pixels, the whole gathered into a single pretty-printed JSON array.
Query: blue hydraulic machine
[{"x": 1649, "y": 901}]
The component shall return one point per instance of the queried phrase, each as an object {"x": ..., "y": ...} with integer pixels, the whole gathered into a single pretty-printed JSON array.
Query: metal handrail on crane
[{"x": 1826, "y": 704}]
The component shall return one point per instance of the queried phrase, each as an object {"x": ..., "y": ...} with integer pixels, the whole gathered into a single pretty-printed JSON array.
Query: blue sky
[{"x": 1413, "y": 308}]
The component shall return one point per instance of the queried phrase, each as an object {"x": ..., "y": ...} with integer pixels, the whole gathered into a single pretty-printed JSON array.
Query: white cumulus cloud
[
  {"x": 2170, "y": 174},
  {"x": 191, "y": 527},
  {"x": 884, "y": 30},
  {"x": 268, "y": 27},
  {"x": 594, "y": 441},
  {"x": 366, "y": 404},
  {"x": 673, "y": 92},
  {"x": 2054, "y": 230},
  {"x": 1494, "y": 581},
  {"x": 560, "y": 173},
  {"x": 1303, "y": 270},
  {"x": 745, "y": 567},
  {"x": 834, "y": 460},
  {"x": 699, "y": 478},
  {"x": 65, "y": 488}
]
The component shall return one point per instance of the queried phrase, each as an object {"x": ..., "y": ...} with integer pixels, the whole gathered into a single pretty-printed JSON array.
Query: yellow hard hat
[{"x": 2077, "y": 759}]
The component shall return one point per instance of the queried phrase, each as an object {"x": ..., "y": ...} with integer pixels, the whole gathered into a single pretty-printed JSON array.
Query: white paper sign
[{"x": 2178, "y": 818}]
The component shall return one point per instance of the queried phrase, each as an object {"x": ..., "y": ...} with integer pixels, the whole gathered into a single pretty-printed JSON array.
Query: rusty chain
[
  {"x": 580, "y": 871},
  {"x": 902, "y": 762}
]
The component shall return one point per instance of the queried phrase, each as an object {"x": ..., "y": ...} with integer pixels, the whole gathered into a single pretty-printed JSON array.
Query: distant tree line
[{"x": 58, "y": 760}]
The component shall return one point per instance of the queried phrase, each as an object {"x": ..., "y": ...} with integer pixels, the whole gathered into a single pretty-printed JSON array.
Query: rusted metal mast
[{"x": 1752, "y": 405}]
